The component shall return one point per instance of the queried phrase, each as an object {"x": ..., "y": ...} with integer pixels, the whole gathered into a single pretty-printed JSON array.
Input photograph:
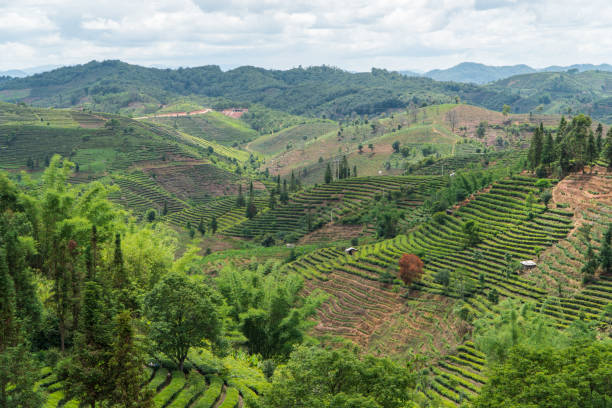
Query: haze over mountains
[{"x": 473, "y": 72}]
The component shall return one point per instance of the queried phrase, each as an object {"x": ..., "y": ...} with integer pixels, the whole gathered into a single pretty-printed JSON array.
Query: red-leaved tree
[{"x": 410, "y": 268}]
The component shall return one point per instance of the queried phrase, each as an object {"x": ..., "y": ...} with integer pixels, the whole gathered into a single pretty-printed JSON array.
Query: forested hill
[
  {"x": 115, "y": 86},
  {"x": 322, "y": 90}
]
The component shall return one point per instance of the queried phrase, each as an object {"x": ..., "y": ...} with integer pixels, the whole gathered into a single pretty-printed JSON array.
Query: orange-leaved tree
[{"x": 410, "y": 268}]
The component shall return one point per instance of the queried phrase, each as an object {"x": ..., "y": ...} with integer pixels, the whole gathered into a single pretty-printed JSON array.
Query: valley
[{"x": 400, "y": 226}]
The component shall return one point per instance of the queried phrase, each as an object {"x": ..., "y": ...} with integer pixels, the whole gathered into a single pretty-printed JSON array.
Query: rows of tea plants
[
  {"x": 224, "y": 209},
  {"x": 328, "y": 202},
  {"x": 509, "y": 230},
  {"x": 140, "y": 193},
  {"x": 234, "y": 383}
]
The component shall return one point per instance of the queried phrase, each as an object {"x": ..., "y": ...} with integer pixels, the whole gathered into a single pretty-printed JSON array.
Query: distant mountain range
[
  {"x": 472, "y": 72},
  {"x": 118, "y": 87},
  {"x": 22, "y": 73}
]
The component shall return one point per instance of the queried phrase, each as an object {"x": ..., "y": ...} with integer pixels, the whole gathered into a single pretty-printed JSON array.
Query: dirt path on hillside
[{"x": 583, "y": 191}]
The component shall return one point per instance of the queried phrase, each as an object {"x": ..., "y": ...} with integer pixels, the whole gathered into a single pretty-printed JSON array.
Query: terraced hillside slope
[
  {"x": 420, "y": 136},
  {"x": 371, "y": 307},
  {"x": 212, "y": 126},
  {"x": 209, "y": 382},
  {"x": 312, "y": 208}
]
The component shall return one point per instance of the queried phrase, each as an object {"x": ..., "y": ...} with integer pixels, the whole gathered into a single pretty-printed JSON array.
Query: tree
[
  {"x": 548, "y": 150},
  {"x": 251, "y": 210},
  {"x": 125, "y": 365},
  {"x": 165, "y": 209},
  {"x": 240, "y": 200},
  {"x": 605, "y": 251},
  {"x": 481, "y": 130},
  {"x": 453, "y": 119},
  {"x": 599, "y": 139},
  {"x": 328, "y": 174},
  {"x": 213, "y": 225},
  {"x": 360, "y": 147},
  {"x": 284, "y": 195},
  {"x": 88, "y": 378},
  {"x": 505, "y": 111},
  {"x": 183, "y": 314},
  {"x": 119, "y": 274},
  {"x": 410, "y": 268},
  {"x": 442, "y": 277},
  {"x": 536, "y": 147},
  {"x": 591, "y": 149},
  {"x": 575, "y": 376},
  {"x": 292, "y": 183},
  {"x": 272, "y": 202},
  {"x": 201, "y": 227},
  {"x": 18, "y": 372},
  {"x": 471, "y": 232},
  {"x": 355, "y": 171},
  {"x": 151, "y": 215},
  {"x": 339, "y": 378},
  {"x": 268, "y": 308},
  {"x": 546, "y": 196},
  {"x": 608, "y": 150},
  {"x": 396, "y": 146},
  {"x": 371, "y": 147}
]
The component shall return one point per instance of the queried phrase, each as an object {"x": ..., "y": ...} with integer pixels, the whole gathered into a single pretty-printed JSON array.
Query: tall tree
[
  {"x": 591, "y": 149},
  {"x": 537, "y": 144},
  {"x": 240, "y": 199},
  {"x": 183, "y": 314},
  {"x": 599, "y": 139},
  {"x": 328, "y": 174},
  {"x": 608, "y": 150},
  {"x": 88, "y": 378},
  {"x": 125, "y": 365},
  {"x": 213, "y": 225},
  {"x": 548, "y": 150}
]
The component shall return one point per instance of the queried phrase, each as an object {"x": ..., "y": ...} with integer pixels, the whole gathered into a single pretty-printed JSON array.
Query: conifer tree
[
  {"x": 240, "y": 199},
  {"x": 284, "y": 196},
  {"x": 125, "y": 365},
  {"x": 8, "y": 305},
  {"x": 201, "y": 227},
  {"x": 213, "y": 225},
  {"x": 119, "y": 274},
  {"x": 354, "y": 171},
  {"x": 251, "y": 210},
  {"x": 599, "y": 139},
  {"x": 548, "y": 149},
  {"x": 272, "y": 202},
  {"x": 535, "y": 150},
  {"x": 591, "y": 149},
  {"x": 608, "y": 151},
  {"x": 328, "y": 174},
  {"x": 89, "y": 379},
  {"x": 292, "y": 185}
]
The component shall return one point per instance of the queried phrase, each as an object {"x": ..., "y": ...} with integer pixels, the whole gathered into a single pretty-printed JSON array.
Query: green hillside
[
  {"x": 212, "y": 126},
  {"x": 113, "y": 85}
]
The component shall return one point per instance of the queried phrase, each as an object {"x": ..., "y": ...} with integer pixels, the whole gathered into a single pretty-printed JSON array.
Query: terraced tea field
[
  {"x": 239, "y": 386},
  {"x": 365, "y": 292},
  {"x": 328, "y": 202},
  {"x": 213, "y": 126}
]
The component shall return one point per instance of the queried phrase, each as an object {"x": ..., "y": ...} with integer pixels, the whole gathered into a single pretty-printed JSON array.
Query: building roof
[
  {"x": 528, "y": 263},
  {"x": 351, "y": 249}
]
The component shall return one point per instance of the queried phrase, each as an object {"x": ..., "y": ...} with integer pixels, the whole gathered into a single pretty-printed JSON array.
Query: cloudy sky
[{"x": 355, "y": 35}]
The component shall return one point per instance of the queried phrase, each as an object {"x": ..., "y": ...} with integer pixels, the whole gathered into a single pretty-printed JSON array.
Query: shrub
[{"x": 411, "y": 268}]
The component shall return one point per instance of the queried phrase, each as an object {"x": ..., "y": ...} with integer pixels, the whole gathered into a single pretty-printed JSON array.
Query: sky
[{"x": 354, "y": 35}]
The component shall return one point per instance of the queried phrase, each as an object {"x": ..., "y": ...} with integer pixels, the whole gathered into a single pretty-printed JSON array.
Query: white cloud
[{"x": 356, "y": 35}]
